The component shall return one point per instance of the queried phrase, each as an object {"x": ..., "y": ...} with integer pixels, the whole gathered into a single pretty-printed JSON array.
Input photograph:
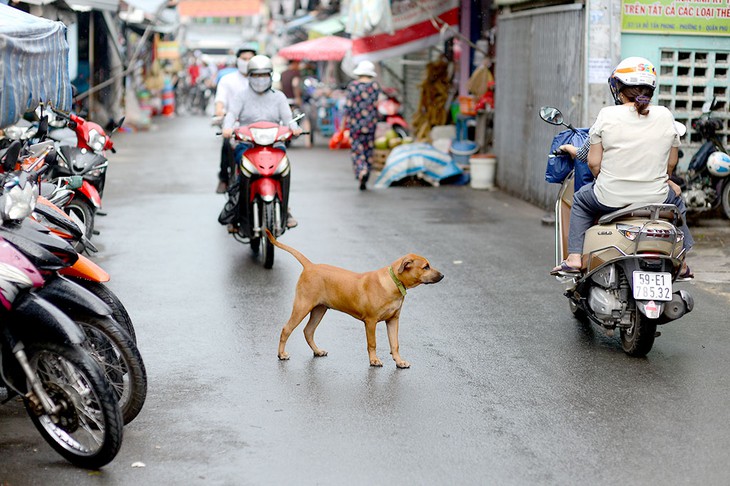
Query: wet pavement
[{"x": 505, "y": 387}]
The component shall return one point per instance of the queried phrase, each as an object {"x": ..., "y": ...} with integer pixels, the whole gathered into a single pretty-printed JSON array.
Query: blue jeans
[{"x": 586, "y": 209}]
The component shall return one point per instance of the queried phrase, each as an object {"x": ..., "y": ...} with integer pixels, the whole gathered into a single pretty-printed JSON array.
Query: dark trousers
[{"x": 226, "y": 168}]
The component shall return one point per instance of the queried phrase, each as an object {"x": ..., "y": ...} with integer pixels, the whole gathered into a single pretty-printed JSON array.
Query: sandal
[
  {"x": 564, "y": 268},
  {"x": 685, "y": 275}
]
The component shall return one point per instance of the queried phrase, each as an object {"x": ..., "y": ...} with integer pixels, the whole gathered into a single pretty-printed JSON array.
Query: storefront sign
[{"x": 683, "y": 17}]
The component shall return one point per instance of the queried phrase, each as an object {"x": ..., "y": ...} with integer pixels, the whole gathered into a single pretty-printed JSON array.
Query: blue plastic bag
[{"x": 560, "y": 166}]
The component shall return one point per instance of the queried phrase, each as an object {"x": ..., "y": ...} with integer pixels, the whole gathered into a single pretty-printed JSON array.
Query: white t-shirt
[
  {"x": 229, "y": 86},
  {"x": 635, "y": 154}
]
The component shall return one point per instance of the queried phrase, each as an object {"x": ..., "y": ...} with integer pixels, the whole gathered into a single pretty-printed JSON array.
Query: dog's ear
[{"x": 405, "y": 264}]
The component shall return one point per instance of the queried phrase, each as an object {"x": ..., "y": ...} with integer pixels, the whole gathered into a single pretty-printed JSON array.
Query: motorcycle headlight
[
  {"x": 264, "y": 136},
  {"x": 17, "y": 203},
  {"x": 96, "y": 140},
  {"x": 247, "y": 167},
  {"x": 629, "y": 232}
]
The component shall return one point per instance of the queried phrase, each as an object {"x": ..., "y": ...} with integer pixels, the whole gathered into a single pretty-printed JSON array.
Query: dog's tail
[{"x": 302, "y": 259}]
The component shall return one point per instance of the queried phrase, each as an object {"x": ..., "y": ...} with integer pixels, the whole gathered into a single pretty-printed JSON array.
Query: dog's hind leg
[
  {"x": 298, "y": 313},
  {"x": 315, "y": 317}
]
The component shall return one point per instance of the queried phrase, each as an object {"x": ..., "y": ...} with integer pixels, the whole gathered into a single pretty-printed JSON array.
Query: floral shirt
[{"x": 361, "y": 109}]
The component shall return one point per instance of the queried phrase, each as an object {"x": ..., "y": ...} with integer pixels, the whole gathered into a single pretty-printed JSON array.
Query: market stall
[{"x": 33, "y": 64}]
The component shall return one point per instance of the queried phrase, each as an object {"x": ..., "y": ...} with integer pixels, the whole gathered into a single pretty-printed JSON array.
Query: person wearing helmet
[
  {"x": 633, "y": 151},
  {"x": 228, "y": 87},
  {"x": 260, "y": 102}
]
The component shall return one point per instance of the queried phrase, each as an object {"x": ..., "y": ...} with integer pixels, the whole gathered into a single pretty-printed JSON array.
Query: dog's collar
[{"x": 397, "y": 282}]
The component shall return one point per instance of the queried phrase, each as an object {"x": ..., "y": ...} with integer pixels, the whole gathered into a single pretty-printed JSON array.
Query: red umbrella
[{"x": 330, "y": 48}]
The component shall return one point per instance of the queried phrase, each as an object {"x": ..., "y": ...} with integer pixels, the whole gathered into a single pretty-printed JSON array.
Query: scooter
[
  {"x": 632, "y": 258},
  {"x": 705, "y": 183},
  {"x": 42, "y": 360},
  {"x": 262, "y": 188},
  {"x": 390, "y": 110},
  {"x": 108, "y": 342}
]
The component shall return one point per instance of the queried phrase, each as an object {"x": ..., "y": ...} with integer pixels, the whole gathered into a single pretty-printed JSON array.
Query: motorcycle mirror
[
  {"x": 42, "y": 127},
  {"x": 551, "y": 115},
  {"x": 119, "y": 124},
  {"x": 11, "y": 156}
]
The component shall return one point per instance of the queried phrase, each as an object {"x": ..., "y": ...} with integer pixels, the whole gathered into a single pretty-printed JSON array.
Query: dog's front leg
[
  {"x": 370, "y": 333},
  {"x": 392, "y": 326}
]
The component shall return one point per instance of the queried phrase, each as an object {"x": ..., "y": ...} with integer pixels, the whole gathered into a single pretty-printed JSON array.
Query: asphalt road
[{"x": 505, "y": 387}]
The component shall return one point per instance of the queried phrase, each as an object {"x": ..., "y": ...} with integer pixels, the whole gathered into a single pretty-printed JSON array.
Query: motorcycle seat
[{"x": 666, "y": 212}]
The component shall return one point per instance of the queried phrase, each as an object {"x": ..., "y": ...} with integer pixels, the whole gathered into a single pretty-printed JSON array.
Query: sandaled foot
[
  {"x": 564, "y": 268},
  {"x": 685, "y": 275}
]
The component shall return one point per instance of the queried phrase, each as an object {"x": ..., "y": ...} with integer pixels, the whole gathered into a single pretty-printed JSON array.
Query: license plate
[{"x": 652, "y": 286}]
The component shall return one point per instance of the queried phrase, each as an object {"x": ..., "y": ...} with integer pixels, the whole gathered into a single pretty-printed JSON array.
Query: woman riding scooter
[
  {"x": 633, "y": 151},
  {"x": 257, "y": 103}
]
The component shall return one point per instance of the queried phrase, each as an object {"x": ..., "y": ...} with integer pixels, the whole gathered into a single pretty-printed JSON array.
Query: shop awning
[
  {"x": 83, "y": 5},
  {"x": 330, "y": 48},
  {"x": 33, "y": 64},
  {"x": 416, "y": 26}
]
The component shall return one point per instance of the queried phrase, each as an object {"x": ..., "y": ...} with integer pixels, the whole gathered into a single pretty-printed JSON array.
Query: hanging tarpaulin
[
  {"x": 416, "y": 25},
  {"x": 33, "y": 64}
]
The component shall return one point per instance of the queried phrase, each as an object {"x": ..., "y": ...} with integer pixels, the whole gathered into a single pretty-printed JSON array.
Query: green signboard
[{"x": 684, "y": 17}]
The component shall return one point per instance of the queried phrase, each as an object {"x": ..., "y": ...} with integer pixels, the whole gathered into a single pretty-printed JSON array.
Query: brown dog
[{"x": 370, "y": 297}]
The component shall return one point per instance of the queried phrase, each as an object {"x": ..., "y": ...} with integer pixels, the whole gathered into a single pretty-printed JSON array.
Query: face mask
[
  {"x": 260, "y": 84},
  {"x": 242, "y": 66}
]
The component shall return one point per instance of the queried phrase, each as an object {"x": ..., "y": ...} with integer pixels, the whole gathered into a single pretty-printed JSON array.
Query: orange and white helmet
[{"x": 632, "y": 71}]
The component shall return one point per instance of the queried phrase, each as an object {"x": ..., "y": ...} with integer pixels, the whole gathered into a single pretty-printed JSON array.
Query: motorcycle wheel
[
  {"x": 119, "y": 312},
  {"x": 87, "y": 430},
  {"x": 267, "y": 248},
  {"x": 120, "y": 360},
  {"x": 638, "y": 339},
  {"x": 85, "y": 213},
  {"x": 725, "y": 198}
]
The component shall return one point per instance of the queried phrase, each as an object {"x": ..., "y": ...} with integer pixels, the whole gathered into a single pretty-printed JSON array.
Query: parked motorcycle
[
  {"x": 86, "y": 158},
  {"x": 633, "y": 258},
  {"x": 112, "y": 347},
  {"x": 705, "y": 183},
  {"x": 42, "y": 361},
  {"x": 262, "y": 203},
  {"x": 390, "y": 110}
]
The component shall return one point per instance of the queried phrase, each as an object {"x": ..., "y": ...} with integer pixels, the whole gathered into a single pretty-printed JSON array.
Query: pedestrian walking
[{"x": 361, "y": 116}]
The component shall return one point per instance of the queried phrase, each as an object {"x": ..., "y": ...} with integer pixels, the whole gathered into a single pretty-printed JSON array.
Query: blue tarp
[
  {"x": 33, "y": 64},
  {"x": 417, "y": 159}
]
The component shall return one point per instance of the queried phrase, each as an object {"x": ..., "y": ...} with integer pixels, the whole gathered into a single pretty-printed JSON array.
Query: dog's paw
[
  {"x": 284, "y": 357},
  {"x": 319, "y": 353},
  {"x": 376, "y": 362},
  {"x": 403, "y": 364}
]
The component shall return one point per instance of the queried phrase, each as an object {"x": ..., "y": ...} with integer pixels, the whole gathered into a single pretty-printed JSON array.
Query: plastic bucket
[
  {"x": 482, "y": 168},
  {"x": 462, "y": 150}
]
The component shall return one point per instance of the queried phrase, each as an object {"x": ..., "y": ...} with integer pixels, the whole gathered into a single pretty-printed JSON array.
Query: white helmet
[
  {"x": 719, "y": 164},
  {"x": 632, "y": 71},
  {"x": 260, "y": 64}
]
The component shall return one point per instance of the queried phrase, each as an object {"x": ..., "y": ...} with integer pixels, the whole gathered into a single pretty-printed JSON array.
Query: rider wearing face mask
[
  {"x": 228, "y": 88},
  {"x": 260, "y": 102}
]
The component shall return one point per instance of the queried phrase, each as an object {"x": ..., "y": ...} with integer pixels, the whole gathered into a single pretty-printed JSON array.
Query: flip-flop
[
  {"x": 564, "y": 268},
  {"x": 686, "y": 275}
]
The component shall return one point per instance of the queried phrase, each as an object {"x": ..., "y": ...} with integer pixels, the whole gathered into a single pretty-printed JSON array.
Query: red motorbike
[
  {"x": 390, "y": 110},
  {"x": 261, "y": 190},
  {"x": 85, "y": 156}
]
